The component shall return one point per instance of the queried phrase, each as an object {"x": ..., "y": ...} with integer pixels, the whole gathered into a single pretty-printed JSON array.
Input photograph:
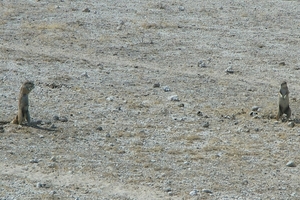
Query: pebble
[
  {"x": 99, "y": 128},
  {"x": 199, "y": 113},
  {"x": 156, "y": 85},
  {"x": 291, "y": 124},
  {"x": 53, "y": 158},
  {"x": 110, "y": 98},
  {"x": 206, "y": 125},
  {"x": 201, "y": 64},
  {"x": 85, "y": 74},
  {"x": 255, "y": 108},
  {"x": 291, "y": 164},
  {"x": 174, "y": 98},
  {"x": 166, "y": 89},
  {"x": 35, "y": 160},
  {"x": 206, "y": 191},
  {"x": 56, "y": 118},
  {"x": 86, "y": 10},
  {"x": 229, "y": 70},
  {"x": 1, "y": 129},
  {"x": 194, "y": 192},
  {"x": 181, "y": 8},
  {"x": 40, "y": 185},
  {"x": 63, "y": 119},
  {"x": 181, "y": 105}
]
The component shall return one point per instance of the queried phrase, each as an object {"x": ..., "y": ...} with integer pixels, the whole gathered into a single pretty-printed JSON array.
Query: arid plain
[{"x": 150, "y": 99}]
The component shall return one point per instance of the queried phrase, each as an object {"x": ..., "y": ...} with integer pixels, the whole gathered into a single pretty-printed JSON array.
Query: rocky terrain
[{"x": 150, "y": 99}]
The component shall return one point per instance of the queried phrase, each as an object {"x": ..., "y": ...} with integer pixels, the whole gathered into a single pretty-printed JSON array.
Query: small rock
[
  {"x": 291, "y": 164},
  {"x": 174, "y": 98},
  {"x": 229, "y": 70},
  {"x": 282, "y": 63},
  {"x": 56, "y": 118},
  {"x": 166, "y": 89},
  {"x": 194, "y": 192},
  {"x": 181, "y": 8},
  {"x": 35, "y": 160},
  {"x": 291, "y": 124},
  {"x": 63, "y": 119},
  {"x": 201, "y": 64},
  {"x": 206, "y": 125},
  {"x": 110, "y": 98},
  {"x": 107, "y": 135},
  {"x": 181, "y": 105},
  {"x": 206, "y": 191},
  {"x": 53, "y": 158},
  {"x": 245, "y": 182},
  {"x": 252, "y": 113},
  {"x": 40, "y": 185},
  {"x": 167, "y": 189},
  {"x": 86, "y": 10},
  {"x": 199, "y": 113},
  {"x": 85, "y": 75},
  {"x": 99, "y": 128},
  {"x": 255, "y": 108},
  {"x": 52, "y": 192},
  {"x": 156, "y": 85}
]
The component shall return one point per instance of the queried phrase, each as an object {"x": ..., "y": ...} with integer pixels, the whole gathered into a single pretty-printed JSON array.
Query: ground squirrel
[
  {"x": 23, "y": 111},
  {"x": 284, "y": 107}
]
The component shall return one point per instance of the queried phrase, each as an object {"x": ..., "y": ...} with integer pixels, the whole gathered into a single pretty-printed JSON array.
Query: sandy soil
[{"x": 105, "y": 125}]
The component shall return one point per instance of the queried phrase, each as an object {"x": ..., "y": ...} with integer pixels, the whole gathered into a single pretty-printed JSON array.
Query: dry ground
[{"x": 124, "y": 138}]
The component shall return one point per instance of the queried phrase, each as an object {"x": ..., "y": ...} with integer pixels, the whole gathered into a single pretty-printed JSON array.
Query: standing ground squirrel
[
  {"x": 284, "y": 106},
  {"x": 23, "y": 111}
]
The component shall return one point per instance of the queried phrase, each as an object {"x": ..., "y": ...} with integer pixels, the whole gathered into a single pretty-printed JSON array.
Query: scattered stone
[
  {"x": 229, "y": 70},
  {"x": 207, "y": 191},
  {"x": 63, "y": 119},
  {"x": 52, "y": 192},
  {"x": 181, "y": 8},
  {"x": 156, "y": 85},
  {"x": 245, "y": 182},
  {"x": 85, "y": 75},
  {"x": 107, "y": 135},
  {"x": 56, "y": 118},
  {"x": 53, "y": 126},
  {"x": 86, "y": 10},
  {"x": 194, "y": 193},
  {"x": 291, "y": 124},
  {"x": 1, "y": 129},
  {"x": 291, "y": 164},
  {"x": 201, "y": 64},
  {"x": 53, "y": 158},
  {"x": 41, "y": 136},
  {"x": 40, "y": 185},
  {"x": 199, "y": 113},
  {"x": 174, "y": 98},
  {"x": 206, "y": 125},
  {"x": 252, "y": 113},
  {"x": 35, "y": 160},
  {"x": 181, "y": 105},
  {"x": 111, "y": 98},
  {"x": 282, "y": 63},
  {"x": 99, "y": 128},
  {"x": 166, "y": 89},
  {"x": 167, "y": 189},
  {"x": 255, "y": 108}
]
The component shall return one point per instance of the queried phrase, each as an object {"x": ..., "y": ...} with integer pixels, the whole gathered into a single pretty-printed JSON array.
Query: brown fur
[
  {"x": 23, "y": 105},
  {"x": 284, "y": 107}
]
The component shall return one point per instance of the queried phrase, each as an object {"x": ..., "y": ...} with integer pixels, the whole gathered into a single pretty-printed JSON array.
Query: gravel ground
[{"x": 150, "y": 100}]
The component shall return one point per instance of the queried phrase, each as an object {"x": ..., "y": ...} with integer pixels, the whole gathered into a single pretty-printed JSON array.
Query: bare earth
[{"x": 104, "y": 125}]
